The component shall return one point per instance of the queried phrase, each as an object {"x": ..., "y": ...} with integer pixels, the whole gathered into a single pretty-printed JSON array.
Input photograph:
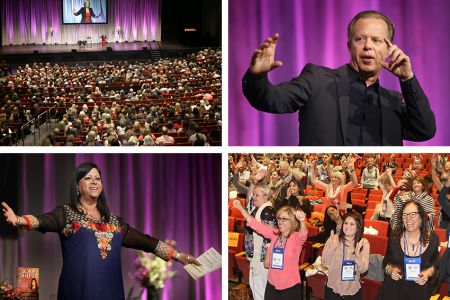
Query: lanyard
[
  {"x": 348, "y": 270},
  {"x": 406, "y": 249},
  {"x": 276, "y": 242}
]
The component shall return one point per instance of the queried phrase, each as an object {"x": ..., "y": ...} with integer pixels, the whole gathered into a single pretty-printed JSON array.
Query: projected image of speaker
[{"x": 84, "y": 12}]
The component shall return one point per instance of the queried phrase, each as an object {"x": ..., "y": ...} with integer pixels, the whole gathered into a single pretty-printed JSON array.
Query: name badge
[
  {"x": 448, "y": 240},
  {"x": 277, "y": 258},
  {"x": 412, "y": 268},
  {"x": 348, "y": 271}
]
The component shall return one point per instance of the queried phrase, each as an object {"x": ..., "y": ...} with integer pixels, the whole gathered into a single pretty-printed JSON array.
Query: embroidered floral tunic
[{"x": 91, "y": 253}]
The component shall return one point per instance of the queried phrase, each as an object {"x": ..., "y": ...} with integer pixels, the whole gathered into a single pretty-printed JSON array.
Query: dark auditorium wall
[
  {"x": 9, "y": 189},
  {"x": 204, "y": 15}
]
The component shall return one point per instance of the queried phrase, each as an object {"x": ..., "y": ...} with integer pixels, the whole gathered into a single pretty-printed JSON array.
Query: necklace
[{"x": 413, "y": 245}]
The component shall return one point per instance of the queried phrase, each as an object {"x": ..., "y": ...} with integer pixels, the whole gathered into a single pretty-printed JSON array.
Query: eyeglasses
[
  {"x": 282, "y": 220},
  {"x": 411, "y": 215}
]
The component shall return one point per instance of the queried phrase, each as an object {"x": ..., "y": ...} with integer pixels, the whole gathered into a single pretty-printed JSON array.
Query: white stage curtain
[{"x": 30, "y": 21}]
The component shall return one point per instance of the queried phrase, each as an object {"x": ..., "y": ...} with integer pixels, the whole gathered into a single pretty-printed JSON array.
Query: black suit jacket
[
  {"x": 321, "y": 96},
  {"x": 82, "y": 11}
]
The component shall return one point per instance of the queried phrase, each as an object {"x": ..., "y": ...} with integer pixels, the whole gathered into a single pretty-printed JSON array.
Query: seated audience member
[
  {"x": 165, "y": 139},
  {"x": 332, "y": 223},
  {"x": 412, "y": 189}
]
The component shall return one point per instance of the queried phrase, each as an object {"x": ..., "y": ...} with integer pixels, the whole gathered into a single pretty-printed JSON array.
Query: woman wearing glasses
[
  {"x": 284, "y": 251},
  {"x": 411, "y": 260},
  {"x": 347, "y": 256}
]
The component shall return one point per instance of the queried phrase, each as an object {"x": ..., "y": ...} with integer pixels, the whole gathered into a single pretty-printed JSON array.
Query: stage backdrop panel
[
  {"x": 30, "y": 21},
  {"x": 316, "y": 32},
  {"x": 174, "y": 196}
]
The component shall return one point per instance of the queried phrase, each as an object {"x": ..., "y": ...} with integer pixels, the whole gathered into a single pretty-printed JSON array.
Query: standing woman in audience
[
  {"x": 336, "y": 191},
  {"x": 370, "y": 174},
  {"x": 411, "y": 261},
  {"x": 286, "y": 244},
  {"x": 347, "y": 256}
]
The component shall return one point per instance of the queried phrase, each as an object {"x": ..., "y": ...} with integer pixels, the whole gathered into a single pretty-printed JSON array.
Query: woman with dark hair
[
  {"x": 295, "y": 198},
  {"x": 411, "y": 260},
  {"x": 91, "y": 239},
  {"x": 331, "y": 223},
  {"x": 347, "y": 256},
  {"x": 414, "y": 189},
  {"x": 286, "y": 244},
  {"x": 33, "y": 285},
  {"x": 87, "y": 13}
]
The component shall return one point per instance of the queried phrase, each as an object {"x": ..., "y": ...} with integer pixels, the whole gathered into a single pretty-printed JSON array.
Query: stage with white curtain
[{"x": 32, "y": 21}]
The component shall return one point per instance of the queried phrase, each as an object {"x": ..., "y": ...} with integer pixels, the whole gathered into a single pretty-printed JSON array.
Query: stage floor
[{"x": 97, "y": 47}]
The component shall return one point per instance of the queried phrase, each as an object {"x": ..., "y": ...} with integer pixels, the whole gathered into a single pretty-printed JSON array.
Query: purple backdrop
[
  {"x": 29, "y": 21},
  {"x": 315, "y": 31},
  {"x": 175, "y": 196}
]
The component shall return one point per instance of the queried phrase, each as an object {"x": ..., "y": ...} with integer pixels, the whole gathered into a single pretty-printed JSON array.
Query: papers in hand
[{"x": 210, "y": 260}]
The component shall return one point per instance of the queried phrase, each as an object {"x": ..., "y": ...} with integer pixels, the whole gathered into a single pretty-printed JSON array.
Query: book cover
[{"x": 28, "y": 283}]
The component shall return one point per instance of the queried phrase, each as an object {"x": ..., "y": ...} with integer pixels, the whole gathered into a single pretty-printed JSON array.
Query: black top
[
  {"x": 364, "y": 115},
  {"x": 403, "y": 289}
]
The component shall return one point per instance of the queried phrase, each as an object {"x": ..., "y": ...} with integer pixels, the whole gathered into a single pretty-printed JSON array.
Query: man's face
[{"x": 367, "y": 46}]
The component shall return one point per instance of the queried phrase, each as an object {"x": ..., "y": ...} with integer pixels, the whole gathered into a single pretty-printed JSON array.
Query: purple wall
[
  {"x": 175, "y": 196},
  {"x": 315, "y": 31}
]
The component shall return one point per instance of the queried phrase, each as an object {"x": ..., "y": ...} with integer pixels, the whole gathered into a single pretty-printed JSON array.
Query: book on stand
[{"x": 28, "y": 283}]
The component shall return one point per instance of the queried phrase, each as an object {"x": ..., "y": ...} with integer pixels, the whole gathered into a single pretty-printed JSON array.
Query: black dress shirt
[{"x": 364, "y": 115}]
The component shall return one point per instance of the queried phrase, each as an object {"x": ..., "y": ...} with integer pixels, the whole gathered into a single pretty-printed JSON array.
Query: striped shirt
[{"x": 424, "y": 199}]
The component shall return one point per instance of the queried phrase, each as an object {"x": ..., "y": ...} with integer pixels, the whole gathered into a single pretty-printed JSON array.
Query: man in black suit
[{"x": 347, "y": 106}]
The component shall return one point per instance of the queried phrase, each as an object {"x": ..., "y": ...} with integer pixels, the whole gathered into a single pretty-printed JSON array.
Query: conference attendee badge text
[
  {"x": 277, "y": 258},
  {"x": 348, "y": 270},
  {"x": 412, "y": 268}
]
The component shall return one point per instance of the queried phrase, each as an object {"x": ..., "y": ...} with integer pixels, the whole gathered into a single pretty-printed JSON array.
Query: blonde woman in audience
[
  {"x": 336, "y": 191},
  {"x": 385, "y": 209},
  {"x": 283, "y": 281}
]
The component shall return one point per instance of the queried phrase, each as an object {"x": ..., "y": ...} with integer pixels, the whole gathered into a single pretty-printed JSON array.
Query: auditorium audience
[
  {"x": 180, "y": 93},
  {"x": 409, "y": 205}
]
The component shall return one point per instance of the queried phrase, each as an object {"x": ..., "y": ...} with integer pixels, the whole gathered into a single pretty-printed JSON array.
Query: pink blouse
[
  {"x": 330, "y": 199},
  {"x": 289, "y": 276}
]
